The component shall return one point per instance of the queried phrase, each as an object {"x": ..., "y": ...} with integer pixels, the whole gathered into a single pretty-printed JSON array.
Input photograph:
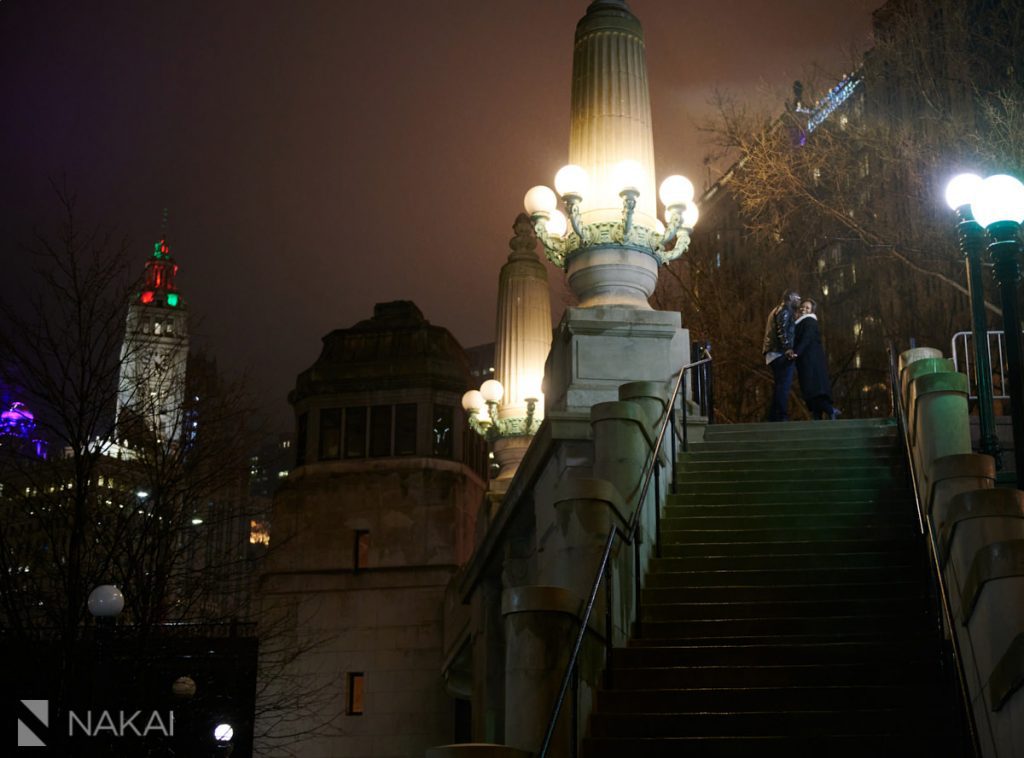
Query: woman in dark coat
[{"x": 811, "y": 366}]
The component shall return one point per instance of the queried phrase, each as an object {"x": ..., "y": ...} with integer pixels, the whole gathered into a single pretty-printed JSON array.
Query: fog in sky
[{"x": 318, "y": 157}]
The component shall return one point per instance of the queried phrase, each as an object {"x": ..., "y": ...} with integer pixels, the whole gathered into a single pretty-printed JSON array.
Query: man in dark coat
[
  {"x": 779, "y": 354},
  {"x": 811, "y": 365}
]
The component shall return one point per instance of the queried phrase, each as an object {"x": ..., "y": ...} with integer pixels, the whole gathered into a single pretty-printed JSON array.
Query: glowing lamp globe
[
  {"x": 676, "y": 190},
  {"x": 961, "y": 190},
  {"x": 492, "y": 391},
  {"x": 557, "y": 224},
  {"x": 690, "y": 215},
  {"x": 571, "y": 181},
  {"x": 473, "y": 401},
  {"x": 627, "y": 176},
  {"x": 999, "y": 198},
  {"x": 223, "y": 733},
  {"x": 540, "y": 199},
  {"x": 659, "y": 227},
  {"x": 106, "y": 601},
  {"x": 184, "y": 687}
]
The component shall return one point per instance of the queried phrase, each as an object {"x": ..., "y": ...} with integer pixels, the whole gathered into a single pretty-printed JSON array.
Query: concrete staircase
[{"x": 790, "y": 613}]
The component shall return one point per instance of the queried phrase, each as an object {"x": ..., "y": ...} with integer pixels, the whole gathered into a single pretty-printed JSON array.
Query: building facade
[{"x": 368, "y": 530}]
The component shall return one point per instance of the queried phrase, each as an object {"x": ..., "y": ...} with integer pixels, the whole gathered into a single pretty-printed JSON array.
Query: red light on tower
[{"x": 147, "y": 297}]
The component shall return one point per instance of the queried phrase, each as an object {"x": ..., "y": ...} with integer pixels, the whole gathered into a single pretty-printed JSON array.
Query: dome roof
[{"x": 396, "y": 349}]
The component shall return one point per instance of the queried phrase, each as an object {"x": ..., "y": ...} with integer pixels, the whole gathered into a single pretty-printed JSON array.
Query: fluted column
[
  {"x": 611, "y": 109},
  {"x": 524, "y": 323}
]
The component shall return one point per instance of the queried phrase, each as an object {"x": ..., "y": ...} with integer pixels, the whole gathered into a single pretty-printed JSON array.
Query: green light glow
[{"x": 172, "y": 299}]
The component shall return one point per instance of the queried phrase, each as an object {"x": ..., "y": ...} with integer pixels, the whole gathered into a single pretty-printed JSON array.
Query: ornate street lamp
[
  {"x": 482, "y": 406},
  {"x": 998, "y": 205},
  {"x": 959, "y": 193},
  {"x": 611, "y": 258}
]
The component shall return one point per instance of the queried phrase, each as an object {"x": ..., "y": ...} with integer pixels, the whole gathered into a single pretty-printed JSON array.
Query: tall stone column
[
  {"x": 611, "y": 109},
  {"x": 522, "y": 343},
  {"x": 523, "y": 324}
]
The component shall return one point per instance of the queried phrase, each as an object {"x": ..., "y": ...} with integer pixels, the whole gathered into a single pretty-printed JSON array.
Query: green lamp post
[
  {"x": 959, "y": 193},
  {"x": 998, "y": 205}
]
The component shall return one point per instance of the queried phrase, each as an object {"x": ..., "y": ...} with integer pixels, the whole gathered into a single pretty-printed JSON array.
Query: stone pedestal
[
  {"x": 596, "y": 350},
  {"x": 540, "y": 623}
]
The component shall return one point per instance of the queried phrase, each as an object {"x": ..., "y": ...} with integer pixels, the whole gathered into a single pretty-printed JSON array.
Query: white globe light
[
  {"x": 557, "y": 224},
  {"x": 690, "y": 215},
  {"x": 627, "y": 176},
  {"x": 184, "y": 687},
  {"x": 659, "y": 227},
  {"x": 105, "y": 601},
  {"x": 223, "y": 732},
  {"x": 999, "y": 198},
  {"x": 473, "y": 401},
  {"x": 961, "y": 190},
  {"x": 492, "y": 391},
  {"x": 676, "y": 190},
  {"x": 540, "y": 199},
  {"x": 571, "y": 180}
]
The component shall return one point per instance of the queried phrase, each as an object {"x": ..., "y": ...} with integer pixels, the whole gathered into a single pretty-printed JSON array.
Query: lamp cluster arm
[{"x": 572, "y": 184}]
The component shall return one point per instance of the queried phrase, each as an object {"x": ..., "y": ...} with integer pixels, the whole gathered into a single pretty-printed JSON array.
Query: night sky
[{"x": 318, "y": 157}]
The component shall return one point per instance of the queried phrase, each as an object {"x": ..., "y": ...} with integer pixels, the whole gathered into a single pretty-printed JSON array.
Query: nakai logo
[{"x": 37, "y": 714}]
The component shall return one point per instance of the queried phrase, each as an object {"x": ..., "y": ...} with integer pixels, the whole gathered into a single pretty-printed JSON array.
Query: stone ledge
[
  {"x": 1000, "y": 560},
  {"x": 600, "y": 490},
  {"x": 959, "y": 466},
  {"x": 975, "y": 504},
  {"x": 539, "y": 599},
  {"x": 1008, "y": 674}
]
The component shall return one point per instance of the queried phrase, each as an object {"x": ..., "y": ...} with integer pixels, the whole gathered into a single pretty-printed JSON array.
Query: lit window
[
  {"x": 158, "y": 326},
  {"x": 259, "y": 532},
  {"x": 857, "y": 329},
  {"x": 356, "y": 682},
  {"x": 361, "y": 550},
  {"x": 442, "y": 431}
]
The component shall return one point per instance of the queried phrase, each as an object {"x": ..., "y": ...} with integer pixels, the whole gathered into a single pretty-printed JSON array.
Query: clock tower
[{"x": 151, "y": 386}]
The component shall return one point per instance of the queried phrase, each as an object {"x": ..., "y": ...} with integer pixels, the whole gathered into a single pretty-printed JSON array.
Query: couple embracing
[{"x": 792, "y": 341}]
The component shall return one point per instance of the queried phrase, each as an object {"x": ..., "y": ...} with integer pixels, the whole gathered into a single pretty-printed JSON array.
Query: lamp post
[
  {"x": 971, "y": 237},
  {"x": 998, "y": 205},
  {"x": 509, "y": 435}
]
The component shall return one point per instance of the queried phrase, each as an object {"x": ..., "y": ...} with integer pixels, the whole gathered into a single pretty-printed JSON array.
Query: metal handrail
[
  {"x": 937, "y": 575},
  {"x": 969, "y": 367},
  {"x": 628, "y": 536}
]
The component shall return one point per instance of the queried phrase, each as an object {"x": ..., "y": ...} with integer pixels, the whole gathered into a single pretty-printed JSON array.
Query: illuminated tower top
[{"x": 158, "y": 281}]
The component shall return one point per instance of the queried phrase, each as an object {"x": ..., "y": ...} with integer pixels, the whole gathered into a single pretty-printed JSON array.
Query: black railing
[
  {"x": 936, "y": 566},
  {"x": 630, "y": 536}
]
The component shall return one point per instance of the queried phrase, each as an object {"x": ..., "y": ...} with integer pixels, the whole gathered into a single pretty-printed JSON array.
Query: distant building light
[
  {"x": 142, "y": 494},
  {"x": 259, "y": 532},
  {"x": 196, "y": 521},
  {"x": 282, "y": 474}
]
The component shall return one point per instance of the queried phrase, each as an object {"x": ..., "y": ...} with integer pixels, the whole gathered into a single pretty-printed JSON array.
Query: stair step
[
  {"x": 769, "y": 626},
  {"x": 767, "y": 518},
  {"x": 842, "y": 746},
  {"x": 818, "y": 722},
  {"x": 718, "y": 472},
  {"x": 671, "y": 549},
  {"x": 816, "y": 561},
  {"x": 786, "y": 534},
  {"x": 873, "y": 455},
  {"x": 888, "y": 652},
  {"x": 798, "y": 428},
  {"x": 897, "y": 608},
  {"x": 893, "y": 497},
  {"x": 819, "y": 508},
  {"x": 903, "y": 589},
  {"x": 744, "y": 699},
  {"x": 803, "y": 675},
  {"x": 795, "y": 484},
  {"x": 794, "y": 447},
  {"x": 764, "y": 572}
]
